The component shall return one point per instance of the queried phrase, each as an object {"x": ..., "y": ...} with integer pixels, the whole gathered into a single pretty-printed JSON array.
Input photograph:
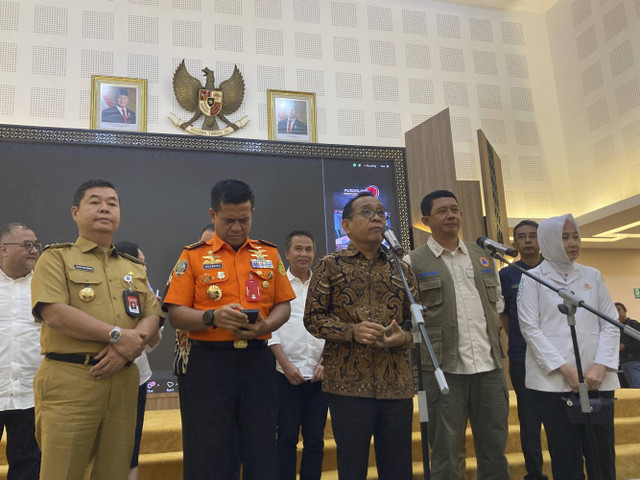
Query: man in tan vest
[{"x": 459, "y": 286}]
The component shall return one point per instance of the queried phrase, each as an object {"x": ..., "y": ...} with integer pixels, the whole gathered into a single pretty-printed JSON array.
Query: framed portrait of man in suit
[
  {"x": 292, "y": 116},
  {"x": 118, "y": 103}
]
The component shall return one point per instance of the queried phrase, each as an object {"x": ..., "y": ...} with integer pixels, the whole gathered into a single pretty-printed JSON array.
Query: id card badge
[
  {"x": 252, "y": 288},
  {"x": 131, "y": 303}
]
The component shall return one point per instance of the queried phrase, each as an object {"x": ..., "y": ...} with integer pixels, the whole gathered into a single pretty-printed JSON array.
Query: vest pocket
[
  {"x": 430, "y": 291},
  {"x": 491, "y": 285},
  {"x": 435, "y": 337}
]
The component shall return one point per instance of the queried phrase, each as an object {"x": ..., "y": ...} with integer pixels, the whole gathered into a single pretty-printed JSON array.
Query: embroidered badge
[
  {"x": 281, "y": 268},
  {"x": 484, "y": 261},
  {"x": 520, "y": 288},
  {"x": 181, "y": 267}
]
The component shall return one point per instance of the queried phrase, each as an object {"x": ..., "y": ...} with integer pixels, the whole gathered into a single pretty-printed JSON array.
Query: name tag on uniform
[
  {"x": 83, "y": 267},
  {"x": 131, "y": 303}
]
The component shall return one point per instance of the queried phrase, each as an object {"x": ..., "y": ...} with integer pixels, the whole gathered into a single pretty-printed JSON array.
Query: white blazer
[{"x": 548, "y": 335}]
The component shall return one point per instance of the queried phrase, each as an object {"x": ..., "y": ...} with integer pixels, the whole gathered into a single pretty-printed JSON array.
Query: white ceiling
[{"x": 539, "y": 6}]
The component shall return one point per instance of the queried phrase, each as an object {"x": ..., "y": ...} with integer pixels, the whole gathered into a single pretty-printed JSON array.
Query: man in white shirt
[
  {"x": 459, "y": 285},
  {"x": 301, "y": 403},
  {"x": 19, "y": 349}
]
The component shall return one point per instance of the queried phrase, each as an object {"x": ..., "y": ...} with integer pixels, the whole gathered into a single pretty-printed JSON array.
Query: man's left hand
[
  {"x": 253, "y": 330},
  {"x": 109, "y": 362},
  {"x": 318, "y": 373},
  {"x": 393, "y": 336}
]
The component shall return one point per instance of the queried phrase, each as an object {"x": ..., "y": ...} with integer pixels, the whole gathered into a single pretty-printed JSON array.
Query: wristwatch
[
  {"x": 208, "y": 317},
  {"x": 114, "y": 335}
]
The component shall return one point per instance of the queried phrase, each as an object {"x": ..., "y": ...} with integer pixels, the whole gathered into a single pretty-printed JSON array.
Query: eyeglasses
[
  {"x": 527, "y": 236},
  {"x": 28, "y": 245},
  {"x": 368, "y": 213}
]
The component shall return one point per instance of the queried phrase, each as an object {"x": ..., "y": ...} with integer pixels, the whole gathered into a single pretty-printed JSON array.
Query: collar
[
  {"x": 352, "y": 251},
  {"x": 554, "y": 274},
  {"x": 438, "y": 249},
  {"x": 4, "y": 277},
  {"x": 217, "y": 243},
  {"x": 293, "y": 278},
  {"x": 86, "y": 245}
]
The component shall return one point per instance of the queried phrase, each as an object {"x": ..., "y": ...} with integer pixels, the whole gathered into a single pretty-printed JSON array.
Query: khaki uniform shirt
[{"x": 64, "y": 270}]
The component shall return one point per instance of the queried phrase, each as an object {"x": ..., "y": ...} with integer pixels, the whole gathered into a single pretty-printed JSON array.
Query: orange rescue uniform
[{"x": 211, "y": 274}]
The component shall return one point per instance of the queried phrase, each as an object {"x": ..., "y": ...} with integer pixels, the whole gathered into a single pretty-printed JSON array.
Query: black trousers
[
  {"x": 354, "y": 420},
  {"x": 301, "y": 408},
  {"x": 568, "y": 442},
  {"x": 23, "y": 453},
  {"x": 530, "y": 423},
  {"x": 229, "y": 414}
]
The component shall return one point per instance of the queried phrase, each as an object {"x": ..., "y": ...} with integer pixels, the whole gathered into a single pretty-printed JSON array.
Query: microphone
[
  {"x": 391, "y": 238},
  {"x": 486, "y": 242}
]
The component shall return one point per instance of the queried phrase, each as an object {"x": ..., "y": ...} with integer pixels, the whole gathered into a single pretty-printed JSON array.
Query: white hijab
[{"x": 552, "y": 246}]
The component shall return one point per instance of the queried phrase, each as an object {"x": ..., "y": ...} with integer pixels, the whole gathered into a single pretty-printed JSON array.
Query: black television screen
[{"x": 164, "y": 183}]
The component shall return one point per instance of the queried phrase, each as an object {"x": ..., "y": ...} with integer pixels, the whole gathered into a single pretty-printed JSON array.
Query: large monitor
[{"x": 164, "y": 183}]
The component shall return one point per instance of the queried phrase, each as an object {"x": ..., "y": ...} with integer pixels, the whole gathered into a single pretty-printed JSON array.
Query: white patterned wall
[
  {"x": 377, "y": 68},
  {"x": 596, "y": 55}
]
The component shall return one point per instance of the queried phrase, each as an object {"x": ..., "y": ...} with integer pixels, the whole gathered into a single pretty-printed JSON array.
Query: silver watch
[{"x": 114, "y": 335}]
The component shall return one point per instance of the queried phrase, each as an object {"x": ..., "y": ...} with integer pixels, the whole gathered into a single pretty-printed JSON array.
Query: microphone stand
[
  {"x": 569, "y": 306},
  {"x": 417, "y": 321}
]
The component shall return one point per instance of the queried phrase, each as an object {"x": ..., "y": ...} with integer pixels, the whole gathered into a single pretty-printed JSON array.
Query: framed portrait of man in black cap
[{"x": 118, "y": 103}]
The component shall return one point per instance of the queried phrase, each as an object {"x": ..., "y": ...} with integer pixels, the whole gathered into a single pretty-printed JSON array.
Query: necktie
[
  {"x": 124, "y": 114},
  {"x": 289, "y": 126}
]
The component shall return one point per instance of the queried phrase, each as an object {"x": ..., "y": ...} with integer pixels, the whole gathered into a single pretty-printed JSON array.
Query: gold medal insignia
[
  {"x": 265, "y": 284},
  {"x": 281, "y": 268},
  {"x": 87, "y": 294},
  {"x": 206, "y": 278},
  {"x": 270, "y": 275},
  {"x": 214, "y": 292}
]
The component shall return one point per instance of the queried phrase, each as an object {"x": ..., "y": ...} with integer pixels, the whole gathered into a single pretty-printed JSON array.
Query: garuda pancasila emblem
[{"x": 208, "y": 100}]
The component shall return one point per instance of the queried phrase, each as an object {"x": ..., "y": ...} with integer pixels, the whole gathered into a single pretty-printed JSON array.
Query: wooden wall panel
[{"x": 495, "y": 204}]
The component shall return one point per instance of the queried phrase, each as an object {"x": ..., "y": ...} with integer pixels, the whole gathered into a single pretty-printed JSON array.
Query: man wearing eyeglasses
[
  {"x": 525, "y": 241},
  {"x": 19, "y": 349},
  {"x": 357, "y": 303}
]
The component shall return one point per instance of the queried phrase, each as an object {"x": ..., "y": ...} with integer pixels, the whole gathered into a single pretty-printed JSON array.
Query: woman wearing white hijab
[{"x": 550, "y": 363}]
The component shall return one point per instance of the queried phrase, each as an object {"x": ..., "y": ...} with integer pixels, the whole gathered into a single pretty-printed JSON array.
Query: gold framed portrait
[
  {"x": 118, "y": 103},
  {"x": 292, "y": 116}
]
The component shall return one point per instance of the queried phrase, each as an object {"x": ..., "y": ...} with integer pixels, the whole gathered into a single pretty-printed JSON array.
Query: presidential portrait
[
  {"x": 118, "y": 104},
  {"x": 292, "y": 116}
]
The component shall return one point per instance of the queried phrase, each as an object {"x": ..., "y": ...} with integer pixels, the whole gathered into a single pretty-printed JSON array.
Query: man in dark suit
[
  {"x": 119, "y": 113},
  {"x": 291, "y": 124}
]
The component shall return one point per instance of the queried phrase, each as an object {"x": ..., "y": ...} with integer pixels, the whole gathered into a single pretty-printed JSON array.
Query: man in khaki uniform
[{"x": 96, "y": 312}]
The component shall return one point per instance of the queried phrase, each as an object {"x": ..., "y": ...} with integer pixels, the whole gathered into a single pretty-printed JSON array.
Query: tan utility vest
[{"x": 437, "y": 293}]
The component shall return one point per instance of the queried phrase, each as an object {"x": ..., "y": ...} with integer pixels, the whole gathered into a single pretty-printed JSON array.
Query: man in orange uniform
[{"x": 229, "y": 395}]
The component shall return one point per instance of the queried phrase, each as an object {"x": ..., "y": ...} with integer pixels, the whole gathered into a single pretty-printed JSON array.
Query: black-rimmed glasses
[{"x": 28, "y": 245}]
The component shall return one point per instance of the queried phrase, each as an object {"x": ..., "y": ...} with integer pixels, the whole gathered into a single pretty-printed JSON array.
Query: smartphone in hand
[{"x": 251, "y": 313}]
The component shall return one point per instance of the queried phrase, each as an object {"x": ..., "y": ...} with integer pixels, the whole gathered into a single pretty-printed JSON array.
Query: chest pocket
[
  {"x": 86, "y": 288},
  {"x": 430, "y": 291},
  {"x": 491, "y": 284},
  {"x": 266, "y": 282}
]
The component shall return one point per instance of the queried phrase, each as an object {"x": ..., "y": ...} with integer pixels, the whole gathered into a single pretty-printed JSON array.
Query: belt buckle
[{"x": 240, "y": 344}]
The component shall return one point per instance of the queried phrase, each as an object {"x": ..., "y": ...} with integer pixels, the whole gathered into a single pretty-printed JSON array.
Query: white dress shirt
[
  {"x": 547, "y": 332},
  {"x": 301, "y": 348},
  {"x": 19, "y": 343}
]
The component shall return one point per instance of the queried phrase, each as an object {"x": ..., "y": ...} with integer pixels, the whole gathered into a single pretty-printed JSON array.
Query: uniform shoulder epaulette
[
  {"x": 131, "y": 257},
  {"x": 58, "y": 245},
  {"x": 267, "y": 243},
  {"x": 194, "y": 245}
]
